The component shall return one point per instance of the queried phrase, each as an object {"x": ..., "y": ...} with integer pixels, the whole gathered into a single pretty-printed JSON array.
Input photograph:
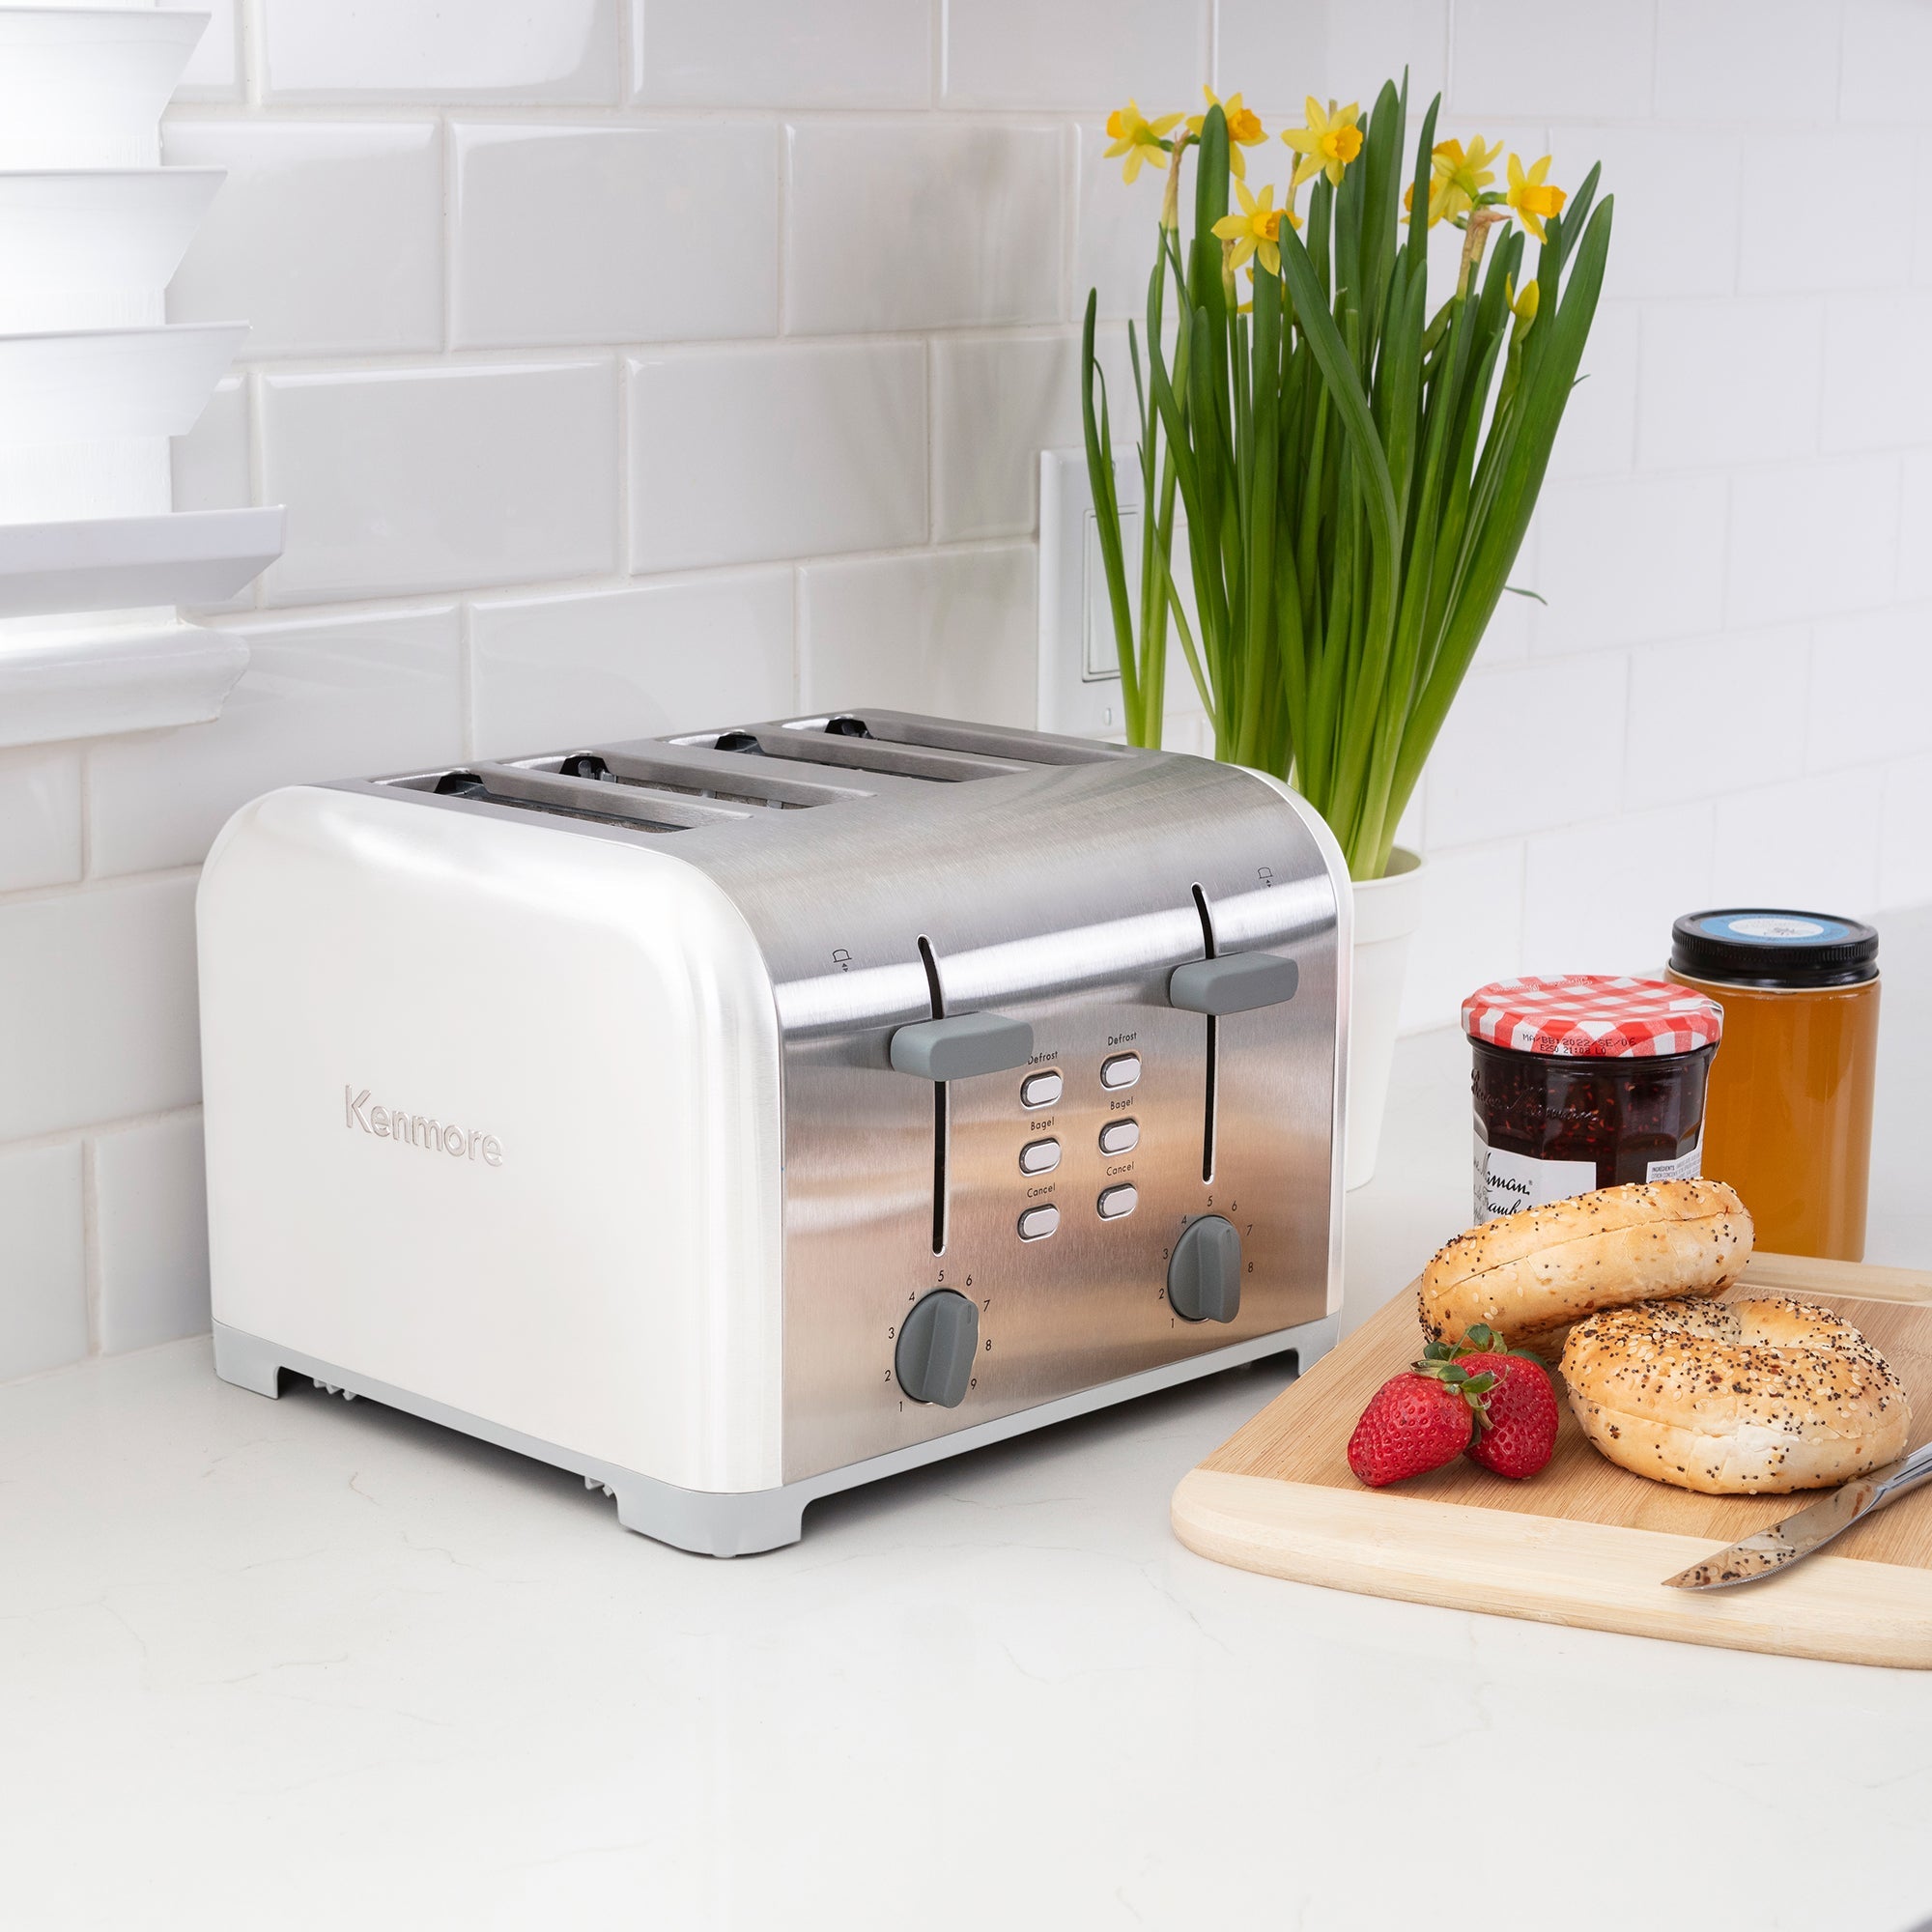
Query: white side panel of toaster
[{"x": 577, "y": 1231}]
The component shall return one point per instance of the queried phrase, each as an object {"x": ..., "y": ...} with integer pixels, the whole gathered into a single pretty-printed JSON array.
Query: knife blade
[{"x": 1789, "y": 1541}]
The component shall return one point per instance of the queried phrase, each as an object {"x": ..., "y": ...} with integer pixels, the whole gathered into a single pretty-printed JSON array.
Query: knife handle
[{"x": 1907, "y": 1473}]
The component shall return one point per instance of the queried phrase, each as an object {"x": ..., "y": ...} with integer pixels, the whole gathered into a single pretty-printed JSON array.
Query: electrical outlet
[{"x": 1079, "y": 665}]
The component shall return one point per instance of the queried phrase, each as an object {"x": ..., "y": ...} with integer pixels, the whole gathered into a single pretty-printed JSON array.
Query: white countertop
[{"x": 286, "y": 1665}]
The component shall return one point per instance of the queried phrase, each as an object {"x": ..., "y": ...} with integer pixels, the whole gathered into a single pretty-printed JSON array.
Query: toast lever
[{"x": 961, "y": 1046}]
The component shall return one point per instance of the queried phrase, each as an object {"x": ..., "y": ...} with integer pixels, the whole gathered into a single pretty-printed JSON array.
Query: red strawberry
[
  {"x": 1518, "y": 1433},
  {"x": 1416, "y": 1421}
]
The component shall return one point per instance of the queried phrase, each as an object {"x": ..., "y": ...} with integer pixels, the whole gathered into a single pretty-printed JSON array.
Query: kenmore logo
[{"x": 393, "y": 1125}]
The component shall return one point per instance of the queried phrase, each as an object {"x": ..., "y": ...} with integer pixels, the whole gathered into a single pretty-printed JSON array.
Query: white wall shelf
[
  {"x": 99, "y": 230},
  {"x": 121, "y": 678},
  {"x": 85, "y": 384},
  {"x": 123, "y": 563},
  {"x": 85, "y": 86},
  {"x": 93, "y": 384}
]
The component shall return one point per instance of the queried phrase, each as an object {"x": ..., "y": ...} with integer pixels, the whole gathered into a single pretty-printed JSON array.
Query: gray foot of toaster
[{"x": 716, "y": 1523}]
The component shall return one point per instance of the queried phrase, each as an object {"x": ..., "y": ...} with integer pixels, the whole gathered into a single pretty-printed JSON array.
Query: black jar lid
[{"x": 1765, "y": 946}]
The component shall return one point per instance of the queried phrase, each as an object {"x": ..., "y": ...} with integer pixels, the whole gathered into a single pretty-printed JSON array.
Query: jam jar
[
  {"x": 1790, "y": 1112},
  {"x": 1584, "y": 1081}
]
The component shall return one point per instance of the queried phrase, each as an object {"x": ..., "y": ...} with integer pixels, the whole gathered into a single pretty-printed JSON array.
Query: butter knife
[{"x": 1811, "y": 1528}]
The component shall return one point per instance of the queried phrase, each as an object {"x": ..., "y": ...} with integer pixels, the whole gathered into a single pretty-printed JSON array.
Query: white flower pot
[{"x": 1387, "y": 912}]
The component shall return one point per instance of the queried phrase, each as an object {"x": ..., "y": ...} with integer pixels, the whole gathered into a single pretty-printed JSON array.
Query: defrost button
[
  {"x": 1040, "y": 1090},
  {"x": 1036, "y": 1223},
  {"x": 1121, "y": 1070}
]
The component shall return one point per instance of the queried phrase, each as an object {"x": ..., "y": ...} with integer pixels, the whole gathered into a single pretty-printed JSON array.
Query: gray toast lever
[
  {"x": 1236, "y": 982},
  {"x": 961, "y": 1046}
]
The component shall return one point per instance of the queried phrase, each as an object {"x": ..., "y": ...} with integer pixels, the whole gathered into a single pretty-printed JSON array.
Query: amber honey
[{"x": 1788, "y": 1113}]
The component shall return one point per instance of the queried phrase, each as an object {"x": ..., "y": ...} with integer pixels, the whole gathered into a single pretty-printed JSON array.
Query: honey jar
[{"x": 1787, "y": 1120}]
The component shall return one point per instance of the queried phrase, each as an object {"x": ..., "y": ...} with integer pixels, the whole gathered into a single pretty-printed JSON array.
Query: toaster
[{"x": 736, "y": 1117}]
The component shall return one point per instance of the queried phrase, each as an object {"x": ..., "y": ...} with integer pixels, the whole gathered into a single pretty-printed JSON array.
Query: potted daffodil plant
[{"x": 1354, "y": 459}]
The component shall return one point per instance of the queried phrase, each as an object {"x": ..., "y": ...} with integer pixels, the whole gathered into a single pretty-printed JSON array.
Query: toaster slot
[
  {"x": 525, "y": 790},
  {"x": 940, "y": 1118},
  {"x": 1214, "y": 1050},
  {"x": 979, "y": 741},
  {"x": 689, "y": 772},
  {"x": 816, "y": 742}
]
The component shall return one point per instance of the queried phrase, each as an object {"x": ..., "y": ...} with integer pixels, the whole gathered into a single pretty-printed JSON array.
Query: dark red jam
[{"x": 1628, "y": 1117}]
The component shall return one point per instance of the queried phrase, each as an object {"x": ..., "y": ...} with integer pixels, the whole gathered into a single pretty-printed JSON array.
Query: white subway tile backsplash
[
  {"x": 1810, "y": 233},
  {"x": 1658, "y": 247},
  {"x": 997, "y": 402},
  {"x": 101, "y": 1005},
  {"x": 1871, "y": 688},
  {"x": 1275, "y": 53},
  {"x": 1905, "y": 835},
  {"x": 1573, "y": 58},
  {"x": 1878, "y": 377},
  {"x": 952, "y": 633},
  {"x": 1600, "y": 897},
  {"x": 1629, "y": 561},
  {"x": 1599, "y": 430},
  {"x": 1471, "y": 930},
  {"x": 1808, "y": 539},
  {"x": 600, "y": 233},
  {"x": 781, "y": 53},
  {"x": 345, "y": 695},
  {"x": 1075, "y": 54},
  {"x": 214, "y": 70},
  {"x": 409, "y": 480},
  {"x": 560, "y": 51},
  {"x": 604, "y": 664},
  {"x": 1116, "y": 228},
  {"x": 325, "y": 237},
  {"x": 1714, "y": 715},
  {"x": 967, "y": 214},
  {"x": 747, "y": 455},
  {"x": 1745, "y": 60},
  {"x": 1888, "y": 50},
  {"x": 1914, "y": 526},
  {"x": 1810, "y": 842},
  {"x": 1479, "y": 787},
  {"x": 1729, "y": 382},
  {"x": 43, "y": 1260},
  {"x": 151, "y": 1227},
  {"x": 39, "y": 817}
]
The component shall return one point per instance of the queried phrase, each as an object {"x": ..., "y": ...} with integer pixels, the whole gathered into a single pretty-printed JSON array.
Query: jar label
[
  {"x": 1686, "y": 1167},
  {"x": 1506, "y": 1183}
]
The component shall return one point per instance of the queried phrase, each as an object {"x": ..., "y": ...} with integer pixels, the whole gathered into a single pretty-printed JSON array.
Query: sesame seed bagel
[
  {"x": 1735, "y": 1398},
  {"x": 1530, "y": 1275}
]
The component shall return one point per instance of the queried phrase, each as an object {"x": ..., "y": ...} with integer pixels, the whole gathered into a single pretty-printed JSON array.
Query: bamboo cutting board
[{"x": 1584, "y": 1541}]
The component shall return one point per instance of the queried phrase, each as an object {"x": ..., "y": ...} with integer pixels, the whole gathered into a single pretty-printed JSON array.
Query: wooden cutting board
[{"x": 1584, "y": 1541}]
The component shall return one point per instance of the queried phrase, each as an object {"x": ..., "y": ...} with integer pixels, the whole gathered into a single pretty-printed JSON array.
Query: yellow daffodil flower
[
  {"x": 1256, "y": 230},
  {"x": 1137, "y": 137},
  {"x": 1329, "y": 142},
  {"x": 1244, "y": 129},
  {"x": 1456, "y": 176},
  {"x": 1533, "y": 198}
]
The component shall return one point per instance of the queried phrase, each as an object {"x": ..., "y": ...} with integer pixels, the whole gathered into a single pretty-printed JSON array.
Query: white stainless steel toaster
[{"x": 736, "y": 1116}]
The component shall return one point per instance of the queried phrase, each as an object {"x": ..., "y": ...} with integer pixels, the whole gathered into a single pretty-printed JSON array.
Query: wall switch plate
[
  {"x": 1079, "y": 673},
  {"x": 1079, "y": 667}
]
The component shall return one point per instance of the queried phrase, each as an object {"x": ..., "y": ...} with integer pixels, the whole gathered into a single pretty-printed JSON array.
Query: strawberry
[
  {"x": 1517, "y": 1434},
  {"x": 1417, "y": 1421}
]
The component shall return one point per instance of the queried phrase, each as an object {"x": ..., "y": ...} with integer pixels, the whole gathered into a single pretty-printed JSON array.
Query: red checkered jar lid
[{"x": 1592, "y": 1016}]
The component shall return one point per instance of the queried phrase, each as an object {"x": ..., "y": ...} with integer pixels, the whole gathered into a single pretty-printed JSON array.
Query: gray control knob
[
  {"x": 1203, "y": 1279},
  {"x": 937, "y": 1344}
]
